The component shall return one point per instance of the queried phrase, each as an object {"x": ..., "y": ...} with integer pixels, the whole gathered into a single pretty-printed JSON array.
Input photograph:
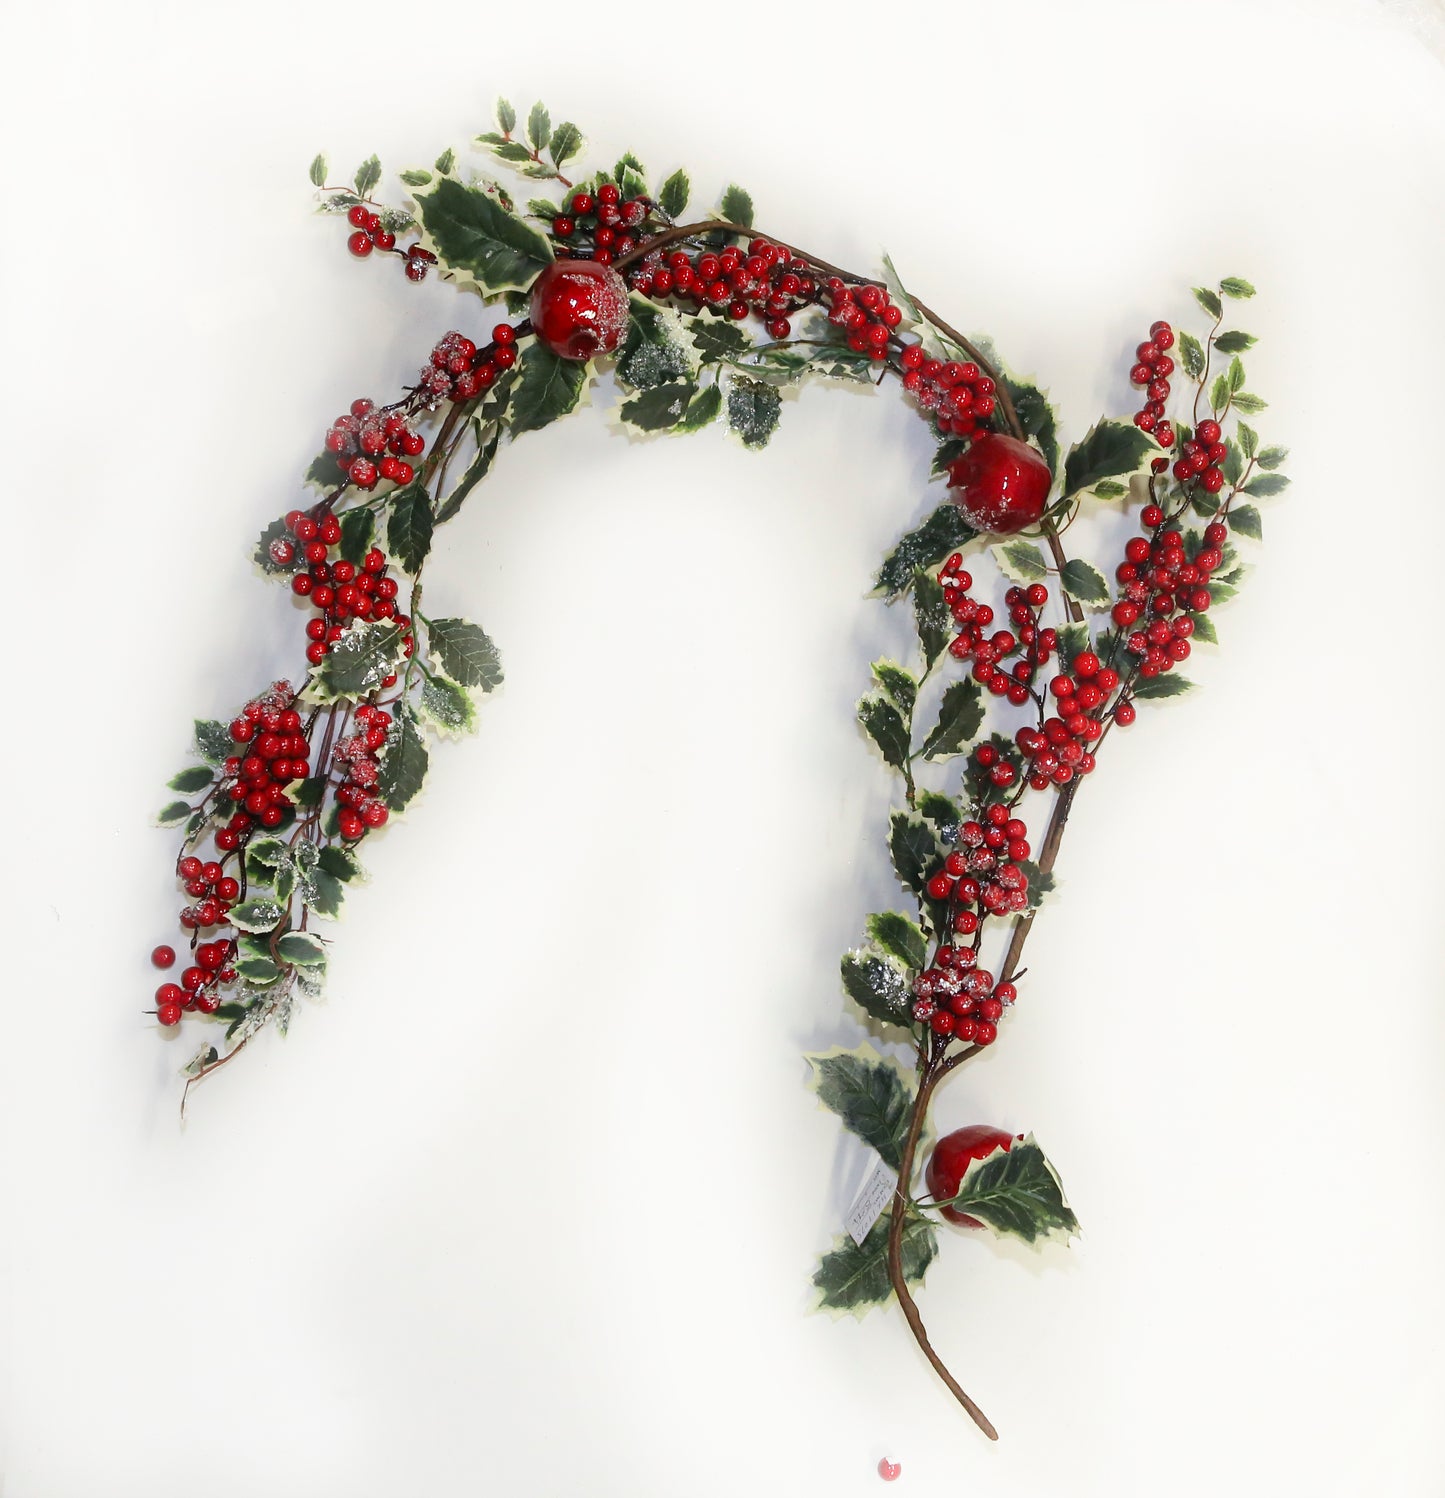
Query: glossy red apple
[
  {"x": 1000, "y": 484},
  {"x": 579, "y": 308},
  {"x": 952, "y": 1156}
]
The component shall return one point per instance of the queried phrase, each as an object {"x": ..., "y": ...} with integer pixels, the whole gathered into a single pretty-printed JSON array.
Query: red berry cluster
[
  {"x": 607, "y": 219},
  {"x": 1058, "y": 749},
  {"x": 275, "y": 755},
  {"x": 959, "y": 396},
  {"x": 983, "y": 869},
  {"x": 370, "y": 232},
  {"x": 764, "y": 279},
  {"x": 341, "y": 590},
  {"x": 361, "y": 807},
  {"x": 460, "y": 371},
  {"x": 370, "y": 445},
  {"x": 1152, "y": 371},
  {"x": 1033, "y": 645},
  {"x": 1160, "y": 591},
  {"x": 957, "y": 997},
  {"x": 867, "y": 313},
  {"x": 1201, "y": 456},
  {"x": 200, "y": 983},
  {"x": 213, "y": 890}
]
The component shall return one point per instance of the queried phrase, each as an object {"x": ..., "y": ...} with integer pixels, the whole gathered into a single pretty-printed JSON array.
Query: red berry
[
  {"x": 163, "y": 956},
  {"x": 359, "y": 244},
  {"x": 579, "y": 308}
]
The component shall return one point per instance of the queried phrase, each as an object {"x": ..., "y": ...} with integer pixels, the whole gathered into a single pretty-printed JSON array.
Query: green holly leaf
[
  {"x": 753, "y": 408},
  {"x": 549, "y": 387},
  {"x": 173, "y": 813},
  {"x": 189, "y": 781},
  {"x": 1236, "y": 286},
  {"x": 321, "y": 892},
  {"x": 661, "y": 408},
  {"x": 506, "y": 117},
  {"x": 1205, "y": 504},
  {"x": 717, "y": 341},
  {"x": 539, "y": 127},
  {"x": 1021, "y": 561},
  {"x": 259, "y": 972},
  {"x": 477, "y": 470},
  {"x": 466, "y": 653},
  {"x": 1204, "y": 630},
  {"x": 1234, "y": 374},
  {"x": 368, "y": 174},
  {"x": 943, "y": 532},
  {"x": 1272, "y": 457},
  {"x": 945, "y": 814},
  {"x": 1191, "y": 355},
  {"x": 1235, "y": 342},
  {"x": 323, "y": 474},
  {"x": 877, "y": 987},
  {"x": 266, "y": 857},
  {"x": 318, "y": 172},
  {"x": 1209, "y": 301},
  {"x": 900, "y": 938},
  {"x": 566, "y": 142},
  {"x": 446, "y": 162},
  {"x": 1265, "y": 486},
  {"x": 657, "y": 348},
  {"x": 359, "y": 661},
  {"x": 1111, "y": 449},
  {"x": 898, "y": 683},
  {"x": 887, "y": 730},
  {"x": 1219, "y": 393},
  {"x": 871, "y": 1095},
  {"x": 1017, "y": 1191},
  {"x": 1247, "y": 440},
  {"x": 855, "y": 1279},
  {"x": 1245, "y": 520},
  {"x": 1251, "y": 405},
  {"x": 213, "y": 740},
  {"x": 931, "y": 616},
  {"x": 472, "y": 232},
  {"x": 409, "y": 532},
  {"x": 674, "y": 193},
  {"x": 705, "y": 406},
  {"x": 357, "y": 530},
  {"x": 259, "y": 914},
  {"x": 914, "y": 850},
  {"x": 309, "y": 792},
  {"x": 1073, "y": 640},
  {"x": 340, "y": 862},
  {"x": 301, "y": 949},
  {"x": 404, "y": 765},
  {"x": 959, "y": 718},
  {"x": 416, "y": 177},
  {"x": 1084, "y": 583},
  {"x": 1166, "y": 684},
  {"x": 446, "y": 706},
  {"x": 737, "y": 207},
  {"x": 1036, "y": 417}
]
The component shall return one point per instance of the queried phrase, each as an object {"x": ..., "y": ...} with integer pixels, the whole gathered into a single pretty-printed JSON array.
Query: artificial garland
[{"x": 293, "y": 784}]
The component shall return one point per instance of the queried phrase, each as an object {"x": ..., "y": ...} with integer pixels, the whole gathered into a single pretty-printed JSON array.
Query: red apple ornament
[
  {"x": 952, "y": 1156},
  {"x": 1000, "y": 484},
  {"x": 579, "y": 308}
]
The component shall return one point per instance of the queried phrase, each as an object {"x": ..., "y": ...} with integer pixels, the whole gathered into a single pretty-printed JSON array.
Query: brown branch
[{"x": 1047, "y": 856}]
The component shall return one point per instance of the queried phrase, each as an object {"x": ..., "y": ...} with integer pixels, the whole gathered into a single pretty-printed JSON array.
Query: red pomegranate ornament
[
  {"x": 952, "y": 1156},
  {"x": 579, "y": 308},
  {"x": 1000, "y": 484}
]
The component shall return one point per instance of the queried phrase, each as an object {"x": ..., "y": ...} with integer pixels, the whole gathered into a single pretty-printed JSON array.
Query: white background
[{"x": 532, "y": 1204}]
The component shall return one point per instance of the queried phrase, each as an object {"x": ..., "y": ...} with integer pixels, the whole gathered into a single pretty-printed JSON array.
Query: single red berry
[
  {"x": 164, "y": 956},
  {"x": 359, "y": 244}
]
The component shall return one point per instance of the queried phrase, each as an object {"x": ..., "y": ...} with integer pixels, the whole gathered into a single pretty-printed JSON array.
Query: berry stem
[{"x": 932, "y": 1072}]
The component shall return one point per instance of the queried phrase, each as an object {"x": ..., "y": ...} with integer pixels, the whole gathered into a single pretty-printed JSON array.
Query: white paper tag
[{"x": 874, "y": 1195}]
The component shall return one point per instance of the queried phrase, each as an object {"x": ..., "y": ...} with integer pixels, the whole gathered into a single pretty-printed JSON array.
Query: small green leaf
[
  {"x": 887, "y": 730},
  {"x": 1266, "y": 485},
  {"x": 1272, "y": 457},
  {"x": 466, "y": 653},
  {"x": 1073, "y": 640},
  {"x": 368, "y": 174},
  {"x": 931, "y": 616},
  {"x": 197, "y": 778},
  {"x": 539, "y": 127},
  {"x": 673, "y": 196},
  {"x": 1209, "y": 301},
  {"x": 340, "y": 862},
  {"x": 1247, "y": 440},
  {"x": 1245, "y": 520},
  {"x": 1166, "y": 684},
  {"x": 1236, "y": 286},
  {"x": 416, "y": 177},
  {"x": 1084, "y": 583},
  {"x": 1021, "y": 560},
  {"x": 1191, "y": 355},
  {"x": 877, "y": 987},
  {"x": 959, "y": 719},
  {"x": 359, "y": 661},
  {"x": 1016, "y": 1191},
  {"x": 1112, "y": 449},
  {"x": 321, "y": 892},
  {"x": 404, "y": 765},
  {"x": 853, "y": 1278},
  {"x": 1219, "y": 393},
  {"x": 259, "y": 972},
  {"x": 870, "y": 1095},
  {"x": 1110, "y": 489},
  {"x": 660, "y": 408},
  {"x": 357, "y": 529},
  {"x": 318, "y": 172},
  {"x": 259, "y": 914},
  {"x": 753, "y": 407},
  {"x": 900, "y": 938},
  {"x": 1235, "y": 374},
  {"x": 446, "y": 162},
  {"x": 213, "y": 740},
  {"x": 446, "y": 706},
  {"x": 506, "y": 117},
  {"x": 1251, "y": 405},
  {"x": 1205, "y": 504},
  {"x": 943, "y": 532},
  {"x": 718, "y": 341},
  {"x": 473, "y": 232},
  {"x": 301, "y": 949},
  {"x": 549, "y": 387},
  {"x": 309, "y": 792},
  {"x": 323, "y": 474},
  {"x": 409, "y": 532},
  {"x": 705, "y": 406},
  {"x": 914, "y": 850},
  {"x": 945, "y": 814},
  {"x": 898, "y": 683},
  {"x": 1235, "y": 342},
  {"x": 174, "y": 813},
  {"x": 737, "y": 207},
  {"x": 1204, "y": 630},
  {"x": 566, "y": 142}
]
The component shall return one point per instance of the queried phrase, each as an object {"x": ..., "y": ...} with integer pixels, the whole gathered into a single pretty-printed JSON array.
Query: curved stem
[{"x": 932, "y": 1074}]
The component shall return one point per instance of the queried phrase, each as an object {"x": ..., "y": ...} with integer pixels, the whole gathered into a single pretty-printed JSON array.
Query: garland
[{"x": 305, "y": 772}]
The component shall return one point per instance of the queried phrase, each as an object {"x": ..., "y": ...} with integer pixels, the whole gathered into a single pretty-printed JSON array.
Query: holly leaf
[
  {"x": 737, "y": 207},
  {"x": 466, "y": 653},
  {"x": 213, "y": 740},
  {"x": 877, "y": 987},
  {"x": 1084, "y": 583},
  {"x": 717, "y": 341},
  {"x": 1219, "y": 393},
  {"x": 1264, "y": 486},
  {"x": 447, "y": 706},
  {"x": 1245, "y": 520},
  {"x": 357, "y": 529},
  {"x": 943, "y": 532},
  {"x": 1017, "y": 1191},
  {"x": 1209, "y": 301},
  {"x": 870, "y": 1094},
  {"x": 321, "y": 892},
  {"x": 549, "y": 387},
  {"x": 1204, "y": 630},
  {"x": 854, "y": 1278},
  {"x": 566, "y": 142},
  {"x": 477, "y": 470},
  {"x": 301, "y": 949},
  {"x": 506, "y": 117},
  {"x": 446, "y": 162},
  {"x": 931, "y": 616},
  {"x": 1272, "y": 457},
  {"x": 1036, "y": 417},
  {"x": 661, "y": 408},
  {"x": 173, "y": 813},
  {"x": 416, "y": 176},
  {"x": 318, "y": 172},
  {"x": 359, "y": 661},
  {"x": 1236, "y": 286},
  {"x": 1250, "y": 404},
  {"x": 191, "y": 780},
  {"x": 1191, "y": 355},
  {"x": 1235, "y": 342},
  {"x": 898, "y": 683},
  {"x": 409, "y": 532},
  {"x": 539, "y": 126},
  {"x": 959, "y": 718},
  {"x": 900, "y": 938},
  {"x": 704, "y": 409},
  {"x": 886, "y": 728},
  {"x": 1021, "y": 561},
  {"x": 1111, "y": 449},
  {"x": 404, "y": 765},
  {"x": 472, "y": 232},
  {"x": 1073, "y": 640},
  {"x": 340, "y": 862},
  {"x": 657, "y": 348},
  {"x": 674, "y": 193},
  {"x": 368, "y": 174},
  {"x": 258, "y": 914},
  {"x": 914, "y": 850},
  {"x": 1166, "y": 684},
  {"x": 753, "y": 408}
]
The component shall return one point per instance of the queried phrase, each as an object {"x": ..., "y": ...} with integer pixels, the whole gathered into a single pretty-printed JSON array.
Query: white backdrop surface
[{"x": 530, "y": 1206}]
